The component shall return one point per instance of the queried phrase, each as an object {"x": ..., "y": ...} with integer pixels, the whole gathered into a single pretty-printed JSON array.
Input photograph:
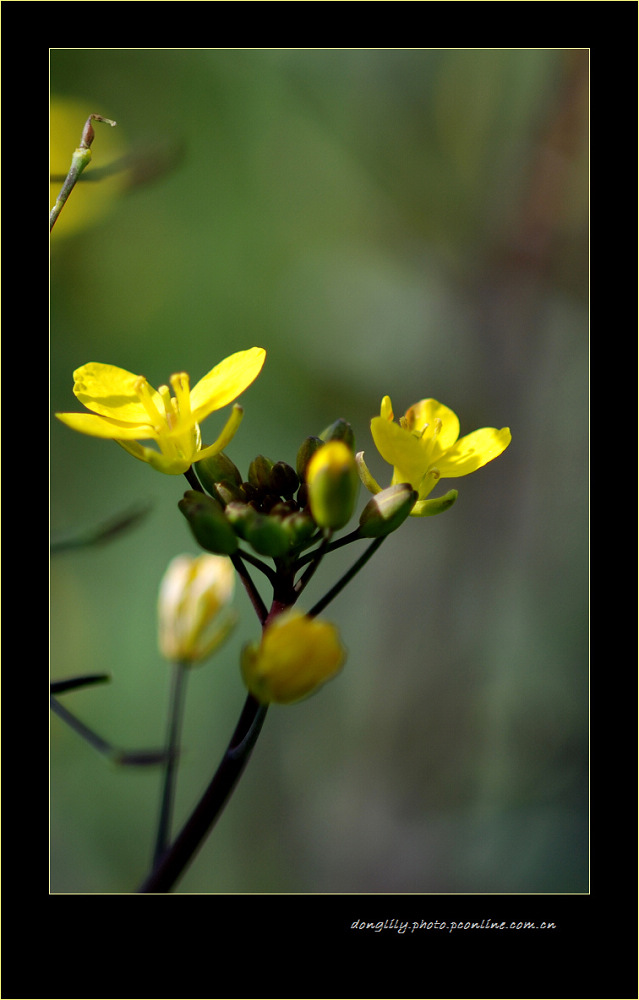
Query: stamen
[
  {"x": 429, "y": 437},
  {"x": 182, "y": 390},
  {"x": 143, "y": 390}
]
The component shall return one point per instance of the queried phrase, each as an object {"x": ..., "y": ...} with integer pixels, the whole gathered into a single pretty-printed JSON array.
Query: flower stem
[
  {"x": 116, "y": 756},
  {"x": 346, "y": 579},
  {"x": 179, "y": 855},
  {"x": 80, "y": 159},
  {"x": 172, "y": 745}
]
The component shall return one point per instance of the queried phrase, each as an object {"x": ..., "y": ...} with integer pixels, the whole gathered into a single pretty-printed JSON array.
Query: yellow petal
[
  {"x": 102, "y": 427},
  {"x": 110, "y": 391},
  {"x": 386, "y": 409},
  {"x": 228, "y": 432},
  {"x": 161, "y": 463},
  {"x": 399, "y": 448},
  {"x": 473, "y": 451},
  {"x": 427, "y": 411},
  {"x": 225, "y": 382}
]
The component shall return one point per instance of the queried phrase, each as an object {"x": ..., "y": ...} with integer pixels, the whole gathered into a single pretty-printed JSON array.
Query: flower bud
[
  {"x": 333, "y": 484},
  {"x": 284, "y": 480},
  {"x": 206, "y": 519},
  {"x": 340, "y": 430},
  {"x": 193, "y": 607},
  {"x": 266, "y": 534},
  {"x": 259, "y": 474},
  {"x": 300, "y": 527},
  {"x": 386, "y": 511},
  {"x": 296, "y": 656},
  {"x": 226, "y": 492},
  {"x": 216, "y": 469},
  {"x": 306, "y": 451}
]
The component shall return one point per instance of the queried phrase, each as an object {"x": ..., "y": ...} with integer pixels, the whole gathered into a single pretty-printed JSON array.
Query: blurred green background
[{"x": 392, "y": 221}]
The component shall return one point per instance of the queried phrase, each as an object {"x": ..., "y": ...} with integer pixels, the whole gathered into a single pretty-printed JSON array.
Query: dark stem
[
  {"x": 249, "y": 586},
  {"x": 237, "y": 560},
  {"x": 115, "y": 755},
  {"x": 181, "y": 852},
  {"x": 315, "y": 560},
  {"x": 353, "y": 536},
  {"x": 172, "y": 747},
  {"x": 71, "y": 683},
  {"x": 346, "y": 579}
]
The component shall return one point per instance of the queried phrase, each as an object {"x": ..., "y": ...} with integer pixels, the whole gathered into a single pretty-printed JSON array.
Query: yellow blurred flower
[
  {"x": 128, "y": 410},
  {"x": 425, "y": 447},
  {"x": 296, "y": 656},
  {"x": 194, "y": 617}
]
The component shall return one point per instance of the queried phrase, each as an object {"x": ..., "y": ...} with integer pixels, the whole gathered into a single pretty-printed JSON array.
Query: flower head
[
  {"x": 193, "y": 607},
  {"x": 296, "y": 656},
  {"x": 425, "y": 447},
  {"x": 126, "y": 409}
]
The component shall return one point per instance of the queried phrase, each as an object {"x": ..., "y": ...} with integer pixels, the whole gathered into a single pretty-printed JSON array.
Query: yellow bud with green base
[
  {"x": 333, "y": 485},
  {"x": 296, "y": 656},
  {"x": 386, "y": 511}
]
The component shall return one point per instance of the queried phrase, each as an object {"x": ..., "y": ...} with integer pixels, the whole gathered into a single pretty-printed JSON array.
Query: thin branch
[
  {"x": 116, "y": 756},
  {"x": 346, "y": 579},
  {"x": 80, "y": 159},
  {"x": 181, "y": 853},
  {"x": 172, "y": 744}
]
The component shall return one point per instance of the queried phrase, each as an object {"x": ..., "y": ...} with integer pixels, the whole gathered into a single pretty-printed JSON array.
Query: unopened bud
[
  {"x": 259, "y": 474},
  {"x": 194, "y": 614},
  {"x": 306, "y": 451},
  {"x": 339, "y": 430},
  {"x": 333, "y": 484},
  {"x": 296, "y": 656},
  {"x": 284, "y": 480},
  {"x": 207, "y": 522},
  {"x": 387, "y": 510},
  {"x": 300, "y": 527},
  {"x": 216, "y": 469},
  {"x": 264, "y": 533}
]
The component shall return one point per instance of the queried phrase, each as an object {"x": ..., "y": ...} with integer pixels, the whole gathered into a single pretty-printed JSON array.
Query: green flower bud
[
  {"x": 300, "y": 527},
  {"x": 306, "y": 451},
  {"x": 266, "y": 534},
  {"x": 216, "y": 469},
  {"x": 333, "y": 484},
  {"x": 207, "y": 522},
  {"x": 339, "y": 430},
  {"x": 284, "y": 480},
  {"x": 387, "y": 510},
  {"x": 259, "y": 474},
  {"x": 226, "y": 492}
]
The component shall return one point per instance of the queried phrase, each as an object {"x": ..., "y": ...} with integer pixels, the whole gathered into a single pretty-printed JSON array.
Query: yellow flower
[
  {"x": 425, "y": 447},
  {"x": 128, "y": 410},
  {"x": 296, "y": 656},
  {"x": 193, "y": 607}
]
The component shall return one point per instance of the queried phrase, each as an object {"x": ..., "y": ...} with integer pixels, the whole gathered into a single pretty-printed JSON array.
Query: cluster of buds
[{"x": 280, "y": 510}]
